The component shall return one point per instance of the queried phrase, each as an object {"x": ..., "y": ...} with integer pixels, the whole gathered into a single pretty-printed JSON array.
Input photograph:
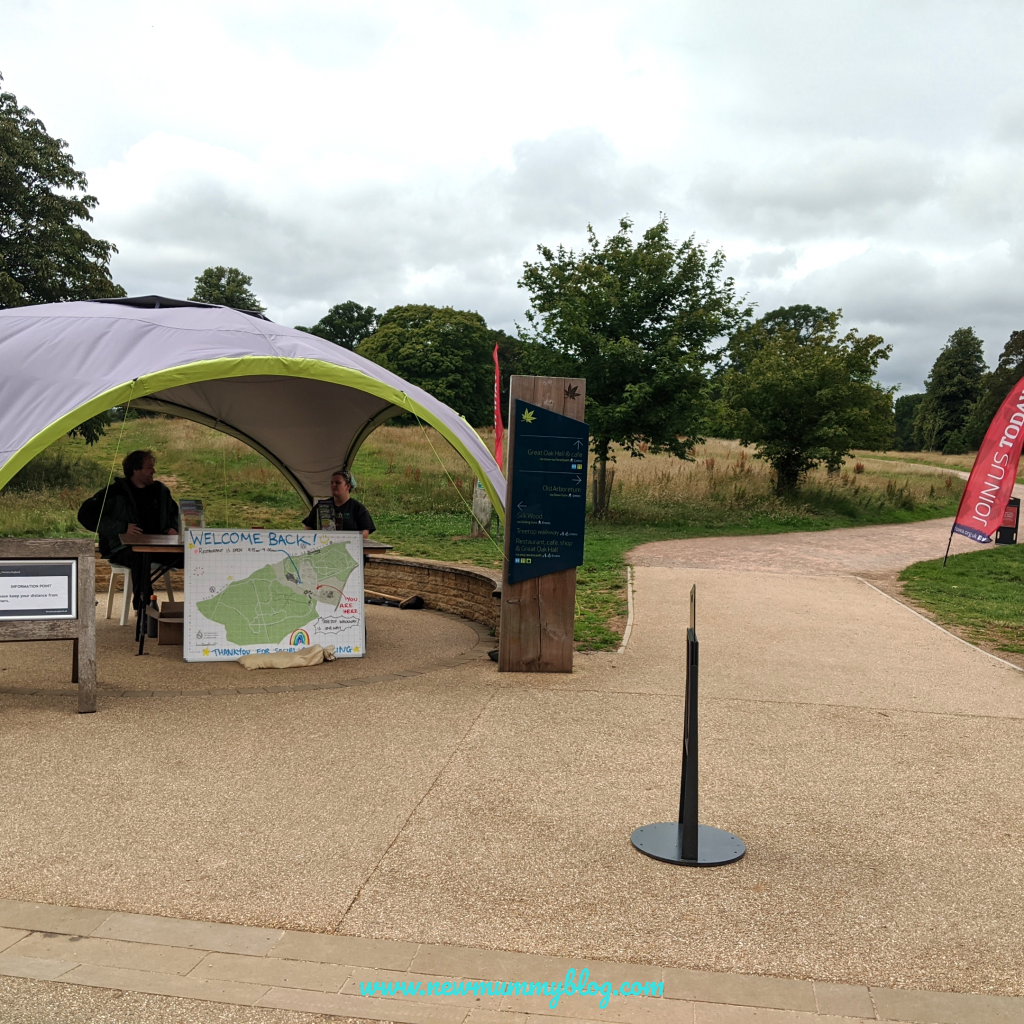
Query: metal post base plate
[{"x": 664, "y": 841}]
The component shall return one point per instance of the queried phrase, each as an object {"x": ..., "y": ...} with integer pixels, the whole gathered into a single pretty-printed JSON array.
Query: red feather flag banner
[
  {"x": 990, "y": 485},
  {"x": 499, "y": 429}
]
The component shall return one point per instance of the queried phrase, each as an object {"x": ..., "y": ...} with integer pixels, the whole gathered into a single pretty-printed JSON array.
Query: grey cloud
[
  {"x": 847, "y": 186},
  {"x": 913, "y": 303},
  {"x": 769, "y": 263},
  {"x": 433, "y": 240},
  {"x": 575, "y": 177}
]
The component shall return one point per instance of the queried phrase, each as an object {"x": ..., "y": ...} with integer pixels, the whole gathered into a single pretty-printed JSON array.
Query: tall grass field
[{"x": 419, "y": 492}]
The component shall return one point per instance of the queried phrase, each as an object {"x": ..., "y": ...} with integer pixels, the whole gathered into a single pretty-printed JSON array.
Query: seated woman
[{"x": 348, "y": 513}]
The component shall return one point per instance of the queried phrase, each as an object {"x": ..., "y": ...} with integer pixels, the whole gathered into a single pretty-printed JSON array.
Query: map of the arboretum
[{"x": 260, "y": 591}]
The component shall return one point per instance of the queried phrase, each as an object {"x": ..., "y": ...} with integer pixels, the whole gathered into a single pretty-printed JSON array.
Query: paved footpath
[
  {"x": 457, "y": 824},
  {"x": 274, "y": 969}
]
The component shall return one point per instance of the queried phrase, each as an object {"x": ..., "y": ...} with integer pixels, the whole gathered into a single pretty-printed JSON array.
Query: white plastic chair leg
[
  {"x": 110, "y": 593},
  {"x": 127, "y": 603},
  {"x": 170, "y": 588}
]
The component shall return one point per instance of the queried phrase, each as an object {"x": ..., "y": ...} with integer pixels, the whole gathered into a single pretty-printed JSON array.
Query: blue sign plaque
[{"x": 548, "y": 505}]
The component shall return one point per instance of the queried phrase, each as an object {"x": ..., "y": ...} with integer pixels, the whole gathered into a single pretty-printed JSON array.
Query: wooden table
[{"x": 150, "y": 544}]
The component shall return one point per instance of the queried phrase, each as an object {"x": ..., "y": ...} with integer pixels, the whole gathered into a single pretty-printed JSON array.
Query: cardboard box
[{"x": 171, "y": 623}]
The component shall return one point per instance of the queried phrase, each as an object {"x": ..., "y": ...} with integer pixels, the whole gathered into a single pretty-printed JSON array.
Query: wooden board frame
[
  {"x": 82, "y": 630},
  {"x": 538, "y": 615}
]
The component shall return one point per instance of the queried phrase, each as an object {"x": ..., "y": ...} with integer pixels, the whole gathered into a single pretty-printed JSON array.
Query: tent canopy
[{"x": 302, "y": 402}]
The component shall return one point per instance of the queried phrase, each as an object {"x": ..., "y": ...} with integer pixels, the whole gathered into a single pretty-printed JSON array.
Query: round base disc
[{"x": 664, "y": 841}]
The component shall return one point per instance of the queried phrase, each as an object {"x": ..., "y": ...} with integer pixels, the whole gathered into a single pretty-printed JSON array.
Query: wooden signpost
[
  {"x": 48, "y": 592},
  {"x": 544, "y": 526}
]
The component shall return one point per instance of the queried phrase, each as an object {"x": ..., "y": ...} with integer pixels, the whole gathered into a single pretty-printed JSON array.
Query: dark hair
[
  {"x": 345, "y": 475},
  {"x": 133, "y": 461}
]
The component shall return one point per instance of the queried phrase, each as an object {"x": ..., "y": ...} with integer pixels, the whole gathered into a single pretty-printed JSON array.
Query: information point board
[
  {"x": 44, "y": 588},
  {"x": 549, "y": 492},
  {"x": 48, "y": 592}
]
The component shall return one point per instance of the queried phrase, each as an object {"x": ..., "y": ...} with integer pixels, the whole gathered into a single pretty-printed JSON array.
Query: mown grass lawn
[
  {"x": 419, "y": 492},
  {"x": 980, "y": 591}
]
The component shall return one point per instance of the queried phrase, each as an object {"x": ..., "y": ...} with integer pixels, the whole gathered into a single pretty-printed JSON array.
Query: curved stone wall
[{"x": 465, "y": 590}]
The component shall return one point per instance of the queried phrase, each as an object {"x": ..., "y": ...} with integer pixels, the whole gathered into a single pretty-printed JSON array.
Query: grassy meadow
[
  {"x": 980, "y": 591},
  {"x": 419, "y": 492}
]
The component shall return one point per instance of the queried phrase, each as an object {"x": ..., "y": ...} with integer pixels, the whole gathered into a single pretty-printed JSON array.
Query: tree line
[
  {"x": 639, "y": 319},
  {"x": 961, "y": 396},
  {"x": 671, "y": 353}
]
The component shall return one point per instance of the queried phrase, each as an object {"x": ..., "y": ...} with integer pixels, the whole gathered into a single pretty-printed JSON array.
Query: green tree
[
  {"x": 445, "y": 351},
  {"x": 226, "y": 286},
  {"x": 952, "y": 387},
  {"x": 995, "y": 386},
  {"x": 806, "y": 399},
  {"x": 745, "y": 343},
  {"x": 903, "y": 424},
  {"x": 803, "y": 321},
  {"x": 520, "y": 356},
  {"x": 636, "y": 320},
  {"x": 346, "y": 324},
  {"x": 45, "y": 253}
]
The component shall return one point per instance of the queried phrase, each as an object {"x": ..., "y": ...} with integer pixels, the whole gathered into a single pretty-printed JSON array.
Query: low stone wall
[{"x": 465, "y": 590}]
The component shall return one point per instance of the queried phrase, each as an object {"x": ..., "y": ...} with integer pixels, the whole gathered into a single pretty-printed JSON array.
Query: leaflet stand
[{"x": 685, "y": 841}]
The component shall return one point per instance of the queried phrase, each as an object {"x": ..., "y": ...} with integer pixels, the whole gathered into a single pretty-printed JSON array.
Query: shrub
[{"x": 57, "y": 469}]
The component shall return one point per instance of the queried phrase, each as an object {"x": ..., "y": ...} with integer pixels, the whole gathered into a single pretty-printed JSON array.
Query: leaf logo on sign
[{"x": 528, "y": 416}]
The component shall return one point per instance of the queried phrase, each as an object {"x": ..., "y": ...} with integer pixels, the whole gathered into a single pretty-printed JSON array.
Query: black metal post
[
  {"x": 686, "y": 841},
  {"x": 688, "y": 780}
]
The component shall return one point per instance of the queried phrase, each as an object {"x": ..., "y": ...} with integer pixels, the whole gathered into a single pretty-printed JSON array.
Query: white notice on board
[{"x": 34, "y": 593}]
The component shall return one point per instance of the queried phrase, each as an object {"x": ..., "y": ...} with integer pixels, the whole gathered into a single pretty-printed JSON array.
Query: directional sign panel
[{"x": 548, "y": 505}]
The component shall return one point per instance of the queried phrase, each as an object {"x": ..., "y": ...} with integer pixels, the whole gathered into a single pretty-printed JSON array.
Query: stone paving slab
[
  {"x": 9, "y": 936},
  {"x": 346, "y": 949},
  {"x": 221, "y": 938},
  {"x": 108, "y": 952},
  {"x": 321, "y": 984}
]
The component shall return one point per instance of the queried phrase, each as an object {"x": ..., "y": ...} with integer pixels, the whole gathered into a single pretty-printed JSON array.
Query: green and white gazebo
[{"x": 303, "y": 403}]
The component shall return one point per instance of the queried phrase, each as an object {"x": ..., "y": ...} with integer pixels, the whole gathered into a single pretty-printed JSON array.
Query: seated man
[
  {"x": 136, "y": 504},
  {"x": 349, "y": 514}
]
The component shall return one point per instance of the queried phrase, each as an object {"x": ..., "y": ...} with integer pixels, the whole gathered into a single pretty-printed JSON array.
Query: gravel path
[{"x": 855, "y": 551}]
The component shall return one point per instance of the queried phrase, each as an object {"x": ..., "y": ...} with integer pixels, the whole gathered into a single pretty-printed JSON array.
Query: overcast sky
[{"x": 858, "y": 155}]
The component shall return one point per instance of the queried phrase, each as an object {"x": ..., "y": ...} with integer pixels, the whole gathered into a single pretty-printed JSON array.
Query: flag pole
[
  {"x": 952, "y": 529},
  {"x": 949, "y": 544}
]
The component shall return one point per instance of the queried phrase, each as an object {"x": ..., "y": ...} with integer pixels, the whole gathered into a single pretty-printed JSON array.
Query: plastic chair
[{"x": 123, "y": 570}]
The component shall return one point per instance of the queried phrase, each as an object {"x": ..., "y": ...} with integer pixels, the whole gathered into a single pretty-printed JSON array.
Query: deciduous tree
[
  {"x": 226, "y": 286},
  {"x": 806, "y": 399},
  {"x": 346, "y": 324},
  {"x": 45, "y": 253},
  {"x": 445, "y": 351},
  {"x": 903, "y": 422},
  {"x": 995, "y": 386},
  {"x": 636, "y": 319},
  {"x": 951, "y": 389}
]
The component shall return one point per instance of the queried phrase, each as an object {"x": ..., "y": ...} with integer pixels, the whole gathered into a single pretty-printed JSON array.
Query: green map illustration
[{"x": 267, "y": 605}]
